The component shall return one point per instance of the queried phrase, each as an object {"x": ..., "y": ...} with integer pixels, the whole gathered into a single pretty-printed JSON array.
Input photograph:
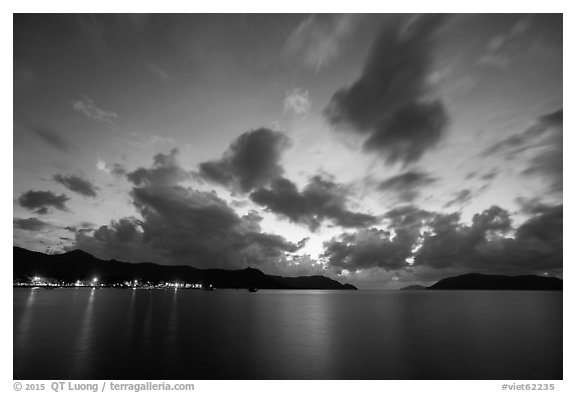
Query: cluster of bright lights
[
  {"x": 183, "y": 285},
  {"x": 95, "y": 282}
]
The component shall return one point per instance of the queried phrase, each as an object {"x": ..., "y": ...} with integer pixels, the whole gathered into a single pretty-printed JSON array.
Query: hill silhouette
[
  {"x": 498, "y": 282},
  {"x": 414, "y": 288},
  {"x": 79, "y": 265}
]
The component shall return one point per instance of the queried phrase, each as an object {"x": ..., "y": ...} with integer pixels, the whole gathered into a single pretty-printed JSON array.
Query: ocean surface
[{"x": 274, "y": 334}]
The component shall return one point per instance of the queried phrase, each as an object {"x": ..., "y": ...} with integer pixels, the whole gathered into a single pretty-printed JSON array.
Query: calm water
[{"x": 191, "y": 334}]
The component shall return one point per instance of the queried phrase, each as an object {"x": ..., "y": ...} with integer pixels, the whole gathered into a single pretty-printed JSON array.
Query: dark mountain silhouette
[
  {"x": 414, "y": 288},
  {"x": 79, "y": 265},
  {"x": 495, "y": 282}
]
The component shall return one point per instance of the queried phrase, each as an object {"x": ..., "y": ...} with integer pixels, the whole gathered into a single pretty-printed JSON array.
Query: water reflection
[
  {"x": 120, "y": 334},
  {"x": 304, "y": 332},
  {"x": 22, "y": 332},
  {"x": 83, "y": 354}
]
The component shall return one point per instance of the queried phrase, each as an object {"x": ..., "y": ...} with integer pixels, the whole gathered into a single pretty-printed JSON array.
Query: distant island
[
  {"x": 414, "y": 288},
  {"x": 82, "y": 269},
  {"x": 476, "y": 281}
]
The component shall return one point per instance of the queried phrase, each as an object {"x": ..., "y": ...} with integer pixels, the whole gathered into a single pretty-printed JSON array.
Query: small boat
[{"x": 252, "y": 289}]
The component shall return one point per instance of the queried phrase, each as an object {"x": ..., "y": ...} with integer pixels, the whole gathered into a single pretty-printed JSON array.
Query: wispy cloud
[
  {"x": 297, "y": 101},
  {"x": 52, "y": 138},
  {"x": 460, "y": 198},
  {"x": 24, "y": 77},
  {"x": 499, "y": 51},
  {"x": 318, "y": 39},
  {"x": 31, "y": 224},
  {"x": 158, "y": 72},
  {"x": 88, "y": 108},
  {"x": 77, "y": 184},
  {"x": 100, "y": 30},
  {"x": 93, "y": 30},
  {"x": 541, "y": 145},
  {"x": 407, "y": 186},
  {"x": 147, "y": 141}
]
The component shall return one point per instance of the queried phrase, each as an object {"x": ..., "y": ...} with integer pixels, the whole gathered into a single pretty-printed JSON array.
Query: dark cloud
[
  {"x": 531, "y": 206},
  {"x": 183, "y": 225},
  {"x": 545, "y": 227},
  {"x": 251, "y": 161},
  {"x": 320, "y": 200},
  {"x": 407, "y": 185},
  {"x": 427, "y": 246},
  {"x": 541, "y": 146},
  {"x": 77, "y": 184},
  {"x": 31, "y": 224},
  {"x": 122, "y": 231},
  {"x": 40, "y": 201},
  {"x": 369, "y": 248},
  {"x": 486, "y": 246},
  {"x": 165, "y": 171},
  {"x": 460, "y": 198},
  {"x": 390, "y": 103},
  {"x": 52, "y": 138}
]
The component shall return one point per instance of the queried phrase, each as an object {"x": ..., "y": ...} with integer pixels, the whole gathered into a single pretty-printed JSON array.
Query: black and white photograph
[{"x": 288, "y": 196}]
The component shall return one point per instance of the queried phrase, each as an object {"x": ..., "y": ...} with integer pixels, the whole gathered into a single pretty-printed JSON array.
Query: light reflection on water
[
  {"x": 83, "y": 353},
  {"x": 188, "y": 334}
]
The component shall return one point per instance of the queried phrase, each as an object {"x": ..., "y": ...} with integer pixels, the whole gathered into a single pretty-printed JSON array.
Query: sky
[{"x": 381, "y": 150}]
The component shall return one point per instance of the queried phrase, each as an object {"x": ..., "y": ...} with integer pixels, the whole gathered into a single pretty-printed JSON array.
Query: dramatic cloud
[
  {"x": 251, "y": 161},
  {"x": 165, "y": 171},
  {"x": 30, "y": 224},
  {"x": 450, "y": 242},
  {"x": 390, "y": 104},
  {"x": 52, "y": 138},
  {"x": 40, "y": 201},
  {"x": 297, "y": 101},
  {"x": 77, "y": 184},
  {"x": 430, "y": 246},
  {"x": 320, "y": 200},
  {"x": 540, "y": 145},
  {"x": 482, "y": 247},
  {"x": 502, "y": 47},
  {"x": 182, "y": 225},
  {"x": 88, "y": 108},
  {"x": 369, "y": 248},
  {"x": 318, "y": 38},
  {"x": 407, "y": 185}
]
